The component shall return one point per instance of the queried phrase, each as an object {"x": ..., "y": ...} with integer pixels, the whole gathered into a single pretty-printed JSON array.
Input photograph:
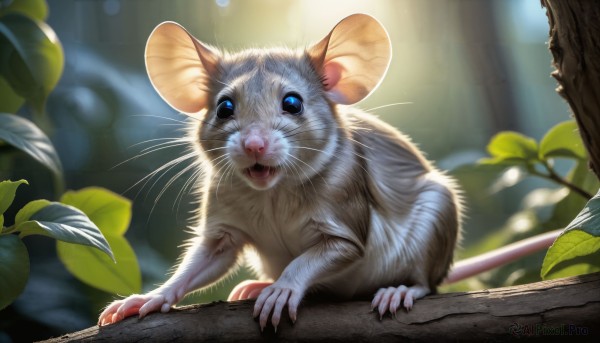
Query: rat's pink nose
[{"x": 254, "y": 145}]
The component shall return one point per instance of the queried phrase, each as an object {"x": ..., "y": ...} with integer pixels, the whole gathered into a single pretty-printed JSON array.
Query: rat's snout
[{"x": 255, "y": 145}]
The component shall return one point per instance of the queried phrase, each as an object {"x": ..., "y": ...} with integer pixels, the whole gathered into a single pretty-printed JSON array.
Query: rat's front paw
[
  {"x": 137, "y": 304},
  {"x": 271, "y": 301}
]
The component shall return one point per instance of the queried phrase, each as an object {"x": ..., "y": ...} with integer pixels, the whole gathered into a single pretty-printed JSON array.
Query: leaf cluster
[
  {"x": 577, "y": 250},
  {"x": 89, "y": 225}
]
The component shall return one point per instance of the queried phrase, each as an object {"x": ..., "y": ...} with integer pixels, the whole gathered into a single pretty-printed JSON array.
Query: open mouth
[{"x": 261, "y": 172}]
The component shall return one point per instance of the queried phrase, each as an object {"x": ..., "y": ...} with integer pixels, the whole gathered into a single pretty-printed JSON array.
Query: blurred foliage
[
  {"x": 543, "y": 209},
  {"x": 31, "y": 57},
  {"x": 24, "y": 135},
  {"x": 85, "y": 222},
  {"x": 40, "y": 217}
]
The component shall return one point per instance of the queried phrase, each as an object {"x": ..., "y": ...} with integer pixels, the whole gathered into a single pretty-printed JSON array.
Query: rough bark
[
  {"x": 542, "y": 310},
  {"x": 575, "y": 46}
]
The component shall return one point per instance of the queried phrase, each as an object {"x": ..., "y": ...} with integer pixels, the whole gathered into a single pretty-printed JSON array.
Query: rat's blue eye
[
  {"x": 225, "y": 108},
  {"x": 292, "y": 104}
]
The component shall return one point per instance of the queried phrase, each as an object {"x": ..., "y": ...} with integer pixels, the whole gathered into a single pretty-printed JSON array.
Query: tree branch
[
  {"x": 553, "y": 176},
  {"x": 565, "y": 307}
]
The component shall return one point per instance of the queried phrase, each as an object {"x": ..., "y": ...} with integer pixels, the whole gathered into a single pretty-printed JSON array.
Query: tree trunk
[
  {"x": 575, "y": 46},
  {"x": 483, "y": 51},
  {"x": 542, "y": 310}
]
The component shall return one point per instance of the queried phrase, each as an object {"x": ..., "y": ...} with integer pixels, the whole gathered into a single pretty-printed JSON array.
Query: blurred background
[{"x": 462, "y": 70}]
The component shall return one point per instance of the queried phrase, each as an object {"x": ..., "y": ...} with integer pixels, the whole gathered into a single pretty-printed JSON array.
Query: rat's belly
[{"x": 275, "y": 246}]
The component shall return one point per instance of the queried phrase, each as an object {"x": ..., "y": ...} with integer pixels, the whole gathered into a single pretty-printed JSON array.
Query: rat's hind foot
[
  {"x": 389, "y": 299},
  {"x": 249, "y": 289}
]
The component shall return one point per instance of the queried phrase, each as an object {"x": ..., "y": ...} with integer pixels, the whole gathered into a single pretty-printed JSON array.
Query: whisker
[
  {"x": 171, "y": 139},
  {"x": 308, "y": 165},
  {"x": 188, "y": 184},
  {"x": 309, "y": 139},
  {"x": 214, "y": 125},
  {"x": 212, "y": 140},
  {"x": 161, "y": 146},
  {"x": 282, "y": 129},
  {"x": 313, "y": 149},
  {"x": 291, "y": 165},
  {"x": 307, "y": 123},
  {"x": 388, "y": 105},
  {"x": 158, "y": 170},
  {"x": 228, "y": 168},
  {"x": 227, "y": 165},
  {"x": 330, "y": 154},
  {"x": 276, "y": 127},
  {"x": 305, "y": 131},
  {"x": 213, "y": 149},
  {"x": 296, "y": 167},
  {"x": 357, "y": 142},
  {"x": 229, "y": 175},
  {"x": 169, "y": 183},
  {"x": 172, "y": 165},
  {"x": 160, "y": 117},
  {"x": 218, "y": 158}
]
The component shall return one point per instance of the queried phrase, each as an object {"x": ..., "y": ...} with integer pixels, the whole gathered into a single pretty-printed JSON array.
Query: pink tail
[{"x": 495, "y": 258}]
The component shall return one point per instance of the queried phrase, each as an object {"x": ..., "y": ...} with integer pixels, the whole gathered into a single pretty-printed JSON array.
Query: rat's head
[{"x": 268, "y": 115}]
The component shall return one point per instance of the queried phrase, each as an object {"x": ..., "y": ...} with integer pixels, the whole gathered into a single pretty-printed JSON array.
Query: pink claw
[{"x": 389, "y": 299}]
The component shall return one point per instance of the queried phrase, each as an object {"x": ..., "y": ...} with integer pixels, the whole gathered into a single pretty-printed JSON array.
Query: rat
[{"x": 319, "y": 195}]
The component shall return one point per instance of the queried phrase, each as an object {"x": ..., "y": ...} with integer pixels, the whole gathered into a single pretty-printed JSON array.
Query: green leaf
[
  {"x": 568, "y": 246},
  {"x": 513, "y": 146},
  {"x": 7, "y": 193},
  {"x": 562, "y": 140},
  {"x": 109, "y": 211},
  {"x": 112, "y": 214},
  {"x": 502, "y": 161},
  {"x": 31, "y": 57},
  {"x": 30, "y": 209},
  {"x": 34, "y": 9},
  {"x": 99, "y": 271},
  {"x": 67, "y": 224},
  {"x": 580, "y": 238},
  {"x": 26, "y": 136},
  {"x": 9, "y": 100},
  {"x": 14, "y": 269},
  {"x": 577, "y": 266}
]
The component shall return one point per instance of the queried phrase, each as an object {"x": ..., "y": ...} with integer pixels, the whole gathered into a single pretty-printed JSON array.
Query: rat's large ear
[
  {"x": 353, "y": 58},
  {"x": 180, "y": 67}
]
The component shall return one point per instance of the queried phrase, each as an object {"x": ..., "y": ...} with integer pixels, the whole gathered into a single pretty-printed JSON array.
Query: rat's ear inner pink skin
[
  {"x": 180, "y": 67},
  {"x": 353, "y": 58}
]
